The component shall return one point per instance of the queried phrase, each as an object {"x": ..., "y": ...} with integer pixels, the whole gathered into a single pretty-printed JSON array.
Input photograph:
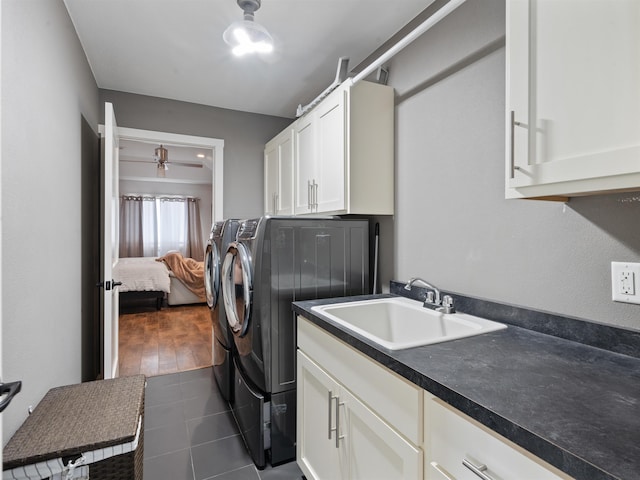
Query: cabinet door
[
  {"x": 284, "y": 204},
  {"x": 305, "y": 160},
  {"x": 453, "y": 438},
  {"x": 329, "y": 189},
  {"x": 573, "y": 116},
  {"x": 376, "y": 451},
  {"x": 278, "y": 174},
  {"x": 270, "y": 177},
  {"x": 317, "y": 397}
]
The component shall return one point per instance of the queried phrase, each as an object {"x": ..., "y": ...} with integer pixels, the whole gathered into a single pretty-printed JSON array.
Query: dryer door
[
  {"x": 212, "y": 274},
  {"x": 237, "y": 288}
]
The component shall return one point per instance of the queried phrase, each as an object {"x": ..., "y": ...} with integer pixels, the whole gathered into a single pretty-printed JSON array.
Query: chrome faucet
[{"x": 441, "y": 304}]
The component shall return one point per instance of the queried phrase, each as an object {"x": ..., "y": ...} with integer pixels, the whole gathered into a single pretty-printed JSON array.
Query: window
[{"x": 152, "y": 226}]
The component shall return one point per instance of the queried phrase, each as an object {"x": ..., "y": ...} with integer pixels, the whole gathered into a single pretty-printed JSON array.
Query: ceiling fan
[{"x": 160, "y": 158}]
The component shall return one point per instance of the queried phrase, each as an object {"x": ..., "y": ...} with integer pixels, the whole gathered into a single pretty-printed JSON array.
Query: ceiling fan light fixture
[
  {"x": 162, "y": 158},
  {"x": 247, "y": 36},
  {"x": 161, "y": 171}
]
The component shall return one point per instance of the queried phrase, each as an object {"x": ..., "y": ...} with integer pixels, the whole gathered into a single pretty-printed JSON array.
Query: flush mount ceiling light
[
  {"x": 248, "y": 36},
  {"x": 161, "y": 157}
]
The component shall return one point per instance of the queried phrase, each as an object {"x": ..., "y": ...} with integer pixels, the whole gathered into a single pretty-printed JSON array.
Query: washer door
[
  {"x": 237, "y": 288},
  {"x": 212, "y": 274}
]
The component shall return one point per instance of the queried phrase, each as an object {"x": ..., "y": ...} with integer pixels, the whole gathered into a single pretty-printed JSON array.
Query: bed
[{"x": 180, "y": 280}]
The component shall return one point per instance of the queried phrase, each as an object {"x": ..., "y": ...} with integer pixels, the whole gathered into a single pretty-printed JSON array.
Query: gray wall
[
  {"x": 453, "y": 226},
  {"x": 47, "y": 87},
  {"x": 244, "y": 136}
]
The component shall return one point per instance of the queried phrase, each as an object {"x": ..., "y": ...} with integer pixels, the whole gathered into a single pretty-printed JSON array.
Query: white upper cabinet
[
  {"x": 305, "y": 140},
  {"x": 331, "y": 159},
  {"x": 573, "y": 97},
  {"x": 321, "y": 157},
  {"x": 278, "y": 174},
  {"x": 343, "y": 153}
]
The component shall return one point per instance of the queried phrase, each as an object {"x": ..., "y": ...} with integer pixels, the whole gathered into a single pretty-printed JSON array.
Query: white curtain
[
  {"x": 149, "y": 225},
  {"x": 172, "y": 226}
]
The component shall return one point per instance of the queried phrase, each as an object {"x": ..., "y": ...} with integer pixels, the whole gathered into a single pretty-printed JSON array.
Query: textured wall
[
  {"x": 453, "y": 225},
  {"x": 244, "y": 136},
  {"x": 47, "y": 87}
]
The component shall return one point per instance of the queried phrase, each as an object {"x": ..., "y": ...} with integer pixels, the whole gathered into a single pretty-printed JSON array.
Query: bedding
[
  {"x": 178, "y": 279},
  {"x": 188, "y": 270},
  {"x": 142, "y": 274}
]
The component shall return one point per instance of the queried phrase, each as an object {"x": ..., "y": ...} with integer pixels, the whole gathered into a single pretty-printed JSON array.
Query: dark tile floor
[{"x": 190, "y": 433}]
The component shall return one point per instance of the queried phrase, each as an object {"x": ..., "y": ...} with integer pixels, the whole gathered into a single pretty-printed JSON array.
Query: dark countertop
[{"x": 573, "y": 405}]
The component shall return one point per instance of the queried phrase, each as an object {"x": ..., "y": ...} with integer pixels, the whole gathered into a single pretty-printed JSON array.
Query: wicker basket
[{"x": 101, "y": 420}]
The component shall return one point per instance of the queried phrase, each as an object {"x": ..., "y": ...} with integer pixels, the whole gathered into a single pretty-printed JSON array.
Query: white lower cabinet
[
  {"x": 455, "y": 445},
  {"x": 376, "y": 449},
  {"x": 356, "y": 419},
  {"x": 339, "y": 434},
  {"x": 319, "y": 455}
]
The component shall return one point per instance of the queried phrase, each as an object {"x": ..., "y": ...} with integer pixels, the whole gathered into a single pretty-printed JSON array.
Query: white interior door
[
  {"x": 110, "y": 242},
  {"x": 1, "y": 430}
]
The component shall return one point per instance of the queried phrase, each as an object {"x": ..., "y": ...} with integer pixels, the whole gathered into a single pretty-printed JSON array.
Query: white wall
[
  {"x": 453, "y": 226},
  {"x": 46, "y": 87}
]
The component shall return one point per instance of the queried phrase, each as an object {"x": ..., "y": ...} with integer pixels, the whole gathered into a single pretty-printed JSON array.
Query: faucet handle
[
  {"x": 447, "y": 303},
  {"x": 429, "y": 298}
]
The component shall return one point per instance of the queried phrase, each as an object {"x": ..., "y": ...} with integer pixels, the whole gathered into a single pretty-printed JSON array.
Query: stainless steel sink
[{"x": 397, "y": 323}]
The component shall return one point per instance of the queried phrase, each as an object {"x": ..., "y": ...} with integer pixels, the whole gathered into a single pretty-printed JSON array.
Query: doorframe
[
  {"x": 215, "y": 144},
  {"x": 1, "y": 237}
]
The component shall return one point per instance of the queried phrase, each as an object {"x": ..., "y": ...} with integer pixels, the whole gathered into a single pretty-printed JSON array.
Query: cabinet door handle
[
  {"x": 512, "y": 146},
  {"x": 329, "y": 428},
  {"x": 479, "y": 470},
  {"x": 309, "y": 189},
  {"x": 315, "y": 195},
  {"x": 440, "y": 469},
  {"x": 275, "y": 203},
  {"x": 338, "y": 436}
]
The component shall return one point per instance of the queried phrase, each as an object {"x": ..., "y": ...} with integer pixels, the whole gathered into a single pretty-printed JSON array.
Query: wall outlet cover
[{"x": 625, "y": 278}]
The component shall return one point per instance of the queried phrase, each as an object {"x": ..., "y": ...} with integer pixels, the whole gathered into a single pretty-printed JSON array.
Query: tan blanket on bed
[{"x": 188, "y": 270}]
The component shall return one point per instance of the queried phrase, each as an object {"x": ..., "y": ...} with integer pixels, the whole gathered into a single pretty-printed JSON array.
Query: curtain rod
[{"x": 152, "y": 196}]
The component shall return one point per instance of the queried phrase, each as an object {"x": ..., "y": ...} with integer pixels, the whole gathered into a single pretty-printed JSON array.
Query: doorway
[
  {"x": 213, "y": 161},
  {"x": 175, "y": 338}
]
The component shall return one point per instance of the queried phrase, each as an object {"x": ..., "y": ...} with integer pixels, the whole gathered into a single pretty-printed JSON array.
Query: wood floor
[{"x": 156, "y": 342}]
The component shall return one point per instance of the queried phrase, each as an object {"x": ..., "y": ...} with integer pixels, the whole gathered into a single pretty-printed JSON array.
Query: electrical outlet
[
  {"x": 624, "y": 282},
  {"x": 627, "y": 283}
]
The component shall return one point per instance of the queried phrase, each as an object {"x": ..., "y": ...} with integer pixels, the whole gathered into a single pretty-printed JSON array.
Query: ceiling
[
  {"x": 174, "y": 48},
  {"x": 186, "y": 164},
  {"x": 138, "y": 151}
]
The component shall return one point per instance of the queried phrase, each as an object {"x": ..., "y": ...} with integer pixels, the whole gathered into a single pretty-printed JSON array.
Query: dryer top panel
[{"x": 248, "y": 229}]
